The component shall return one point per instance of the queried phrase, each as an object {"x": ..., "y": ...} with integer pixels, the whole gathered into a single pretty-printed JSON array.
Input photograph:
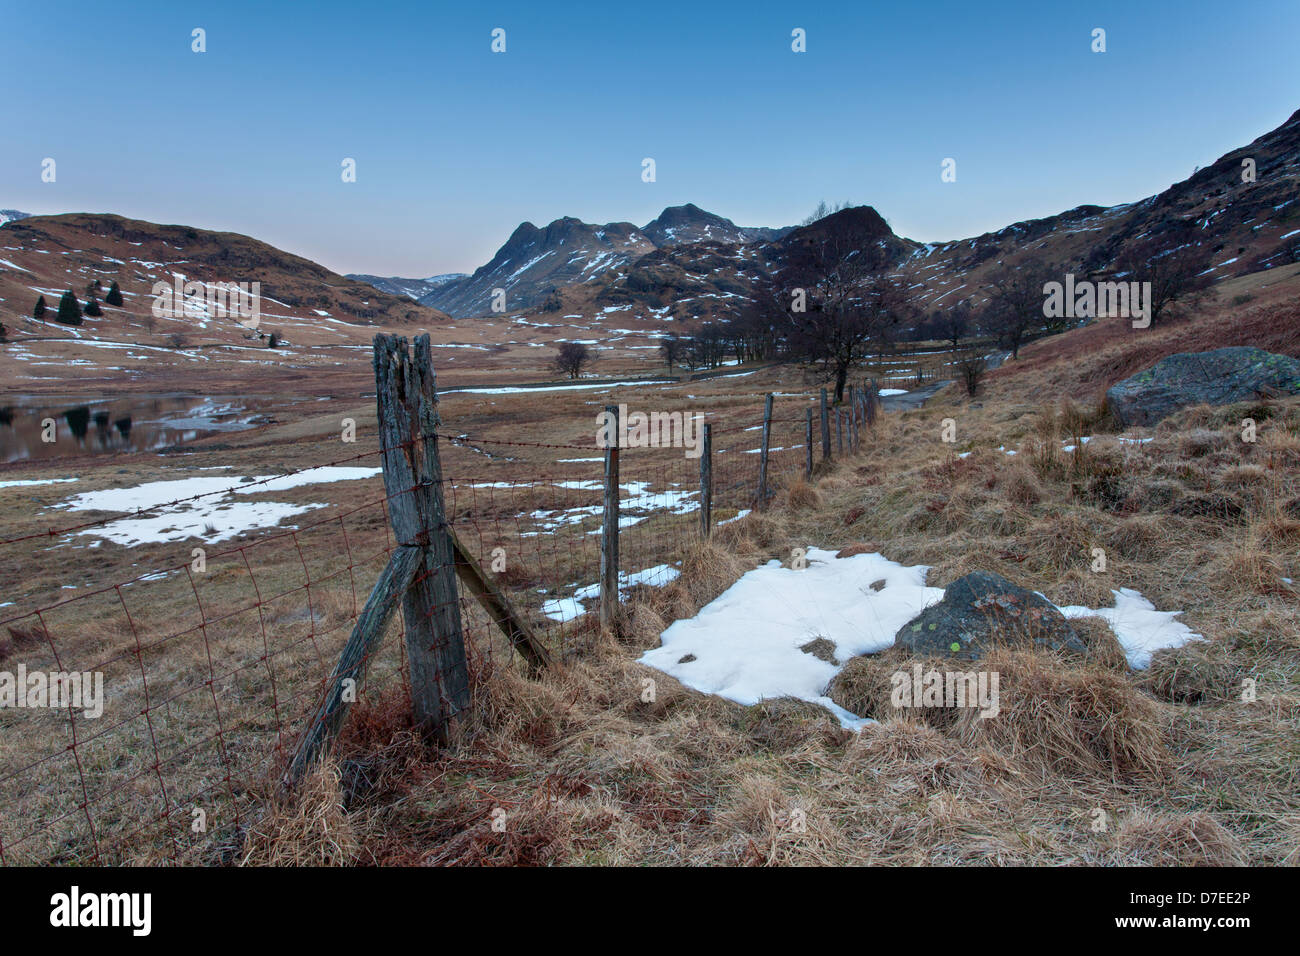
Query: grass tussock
[
  {"x": 1063, "y": 719},
  {"x": 1193, "y": 839}
]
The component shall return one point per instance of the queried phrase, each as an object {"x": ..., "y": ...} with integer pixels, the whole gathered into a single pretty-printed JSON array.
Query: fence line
[{"x": 218, "y": 674}]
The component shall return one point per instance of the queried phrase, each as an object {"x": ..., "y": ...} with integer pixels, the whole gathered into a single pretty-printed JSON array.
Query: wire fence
[{"x": 146, "y": 719}]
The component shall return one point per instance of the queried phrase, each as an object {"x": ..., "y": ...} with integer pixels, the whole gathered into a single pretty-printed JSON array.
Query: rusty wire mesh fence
[{"x": 211, "y": 667}]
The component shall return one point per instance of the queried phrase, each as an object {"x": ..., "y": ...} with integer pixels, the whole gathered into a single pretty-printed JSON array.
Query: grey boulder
[
  {"x": 1218, "y": 377},
  {"x": 982, "y": 609}
]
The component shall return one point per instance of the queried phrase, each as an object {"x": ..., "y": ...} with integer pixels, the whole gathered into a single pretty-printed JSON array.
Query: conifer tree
[{"x": 69, "y": 310}]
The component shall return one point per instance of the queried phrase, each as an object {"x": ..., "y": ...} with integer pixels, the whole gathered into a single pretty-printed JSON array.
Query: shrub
[
  {"x": 114, "y": 296},
  {"x": 971, "y": 368},
  {"x": 39, "y": 311}
]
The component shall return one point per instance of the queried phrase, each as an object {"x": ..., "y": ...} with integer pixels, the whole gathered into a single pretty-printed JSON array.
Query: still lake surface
[{"x": 112, "y": 425}]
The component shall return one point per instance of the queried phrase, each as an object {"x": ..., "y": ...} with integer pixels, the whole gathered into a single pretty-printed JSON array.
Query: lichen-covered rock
[
  {"x": 981, "y": 609},
  {"x": 1217, "y": 377}
]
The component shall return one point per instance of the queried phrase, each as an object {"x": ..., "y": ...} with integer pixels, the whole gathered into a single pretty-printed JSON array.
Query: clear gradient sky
[{"x": 456, "y": 145}]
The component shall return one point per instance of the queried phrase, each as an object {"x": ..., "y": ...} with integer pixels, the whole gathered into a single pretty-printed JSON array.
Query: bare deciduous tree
[
  {"x": 671, "y": 348},
  {"x": 847, "y": 308},
  {"x": 825, "y": 209},
  {"x": 953, "y": 325},
  {"x": 1174, "y": 263},
  {"x": 571, "y": 358},
  {"x": 1015, "y": 308}
]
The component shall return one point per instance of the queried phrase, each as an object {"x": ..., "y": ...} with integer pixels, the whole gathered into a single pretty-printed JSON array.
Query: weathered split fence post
[
  {"x": 762, "y": 462},
  {"x": 609, "y": 530},
  {"x": 421, "y": 572},
  {"x": 808, "y": 446},
  {"x": 826, "y": 428},
  {"x": 408, "y": 420},
  {"x": 706, "y": 484},
  {"x": 839, "y": 432},
  {"x": 873, "y": 398}
]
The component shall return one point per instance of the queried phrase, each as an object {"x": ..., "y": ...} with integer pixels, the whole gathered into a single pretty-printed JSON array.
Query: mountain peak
[{"x": 680, "y": 225}]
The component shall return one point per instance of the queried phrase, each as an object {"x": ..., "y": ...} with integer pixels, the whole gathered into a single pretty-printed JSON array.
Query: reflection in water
[
  {"x": 131, "y": 423},
  {"x": 78, "y": 419}
]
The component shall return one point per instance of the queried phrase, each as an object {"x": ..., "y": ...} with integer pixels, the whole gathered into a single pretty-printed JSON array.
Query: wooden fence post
[
  {"x": 807, "y": 446},
  {"x": 839, "y": 432},
  {"x": 609, "y": 530},
  {"x": 706, "y": 484},
  {"x": 873, "y": 396},
  {"x": 852, "y": 412},
  {"x": 762, "y": 458},
  {"x": 408, "y": 420},
  {"x": 826, "y": 428},
  {"x": 857, "y": 419},
  {"x": 421, "y": 572}
]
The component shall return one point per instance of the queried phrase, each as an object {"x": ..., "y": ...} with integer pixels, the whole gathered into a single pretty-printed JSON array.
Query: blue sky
[{"x": 456, "y": 145}]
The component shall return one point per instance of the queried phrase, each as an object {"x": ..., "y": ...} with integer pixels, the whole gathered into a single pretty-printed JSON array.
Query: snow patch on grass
[{"x": 745, "y": 645}]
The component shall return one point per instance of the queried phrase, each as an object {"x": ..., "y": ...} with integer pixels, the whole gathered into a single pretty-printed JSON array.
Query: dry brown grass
[
  {"x": 1193, "y": 839},
  {"x": 311, "y": 830},
  {"x": 1068, "y": 721}
]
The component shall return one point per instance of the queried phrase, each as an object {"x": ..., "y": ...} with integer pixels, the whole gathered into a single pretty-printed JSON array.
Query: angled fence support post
[
  {"x": 826, "y": 428},
  {"x": 762, "y": 461},
  {"x": 609, "y": 530},
  {"x": 500, "y": 611},
  {"x": 706, "y": 484},
  {"x": 408, "y": 421},
  {"x": 350, "y": 671}
]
